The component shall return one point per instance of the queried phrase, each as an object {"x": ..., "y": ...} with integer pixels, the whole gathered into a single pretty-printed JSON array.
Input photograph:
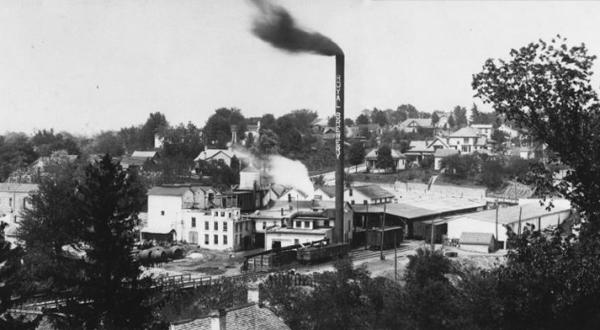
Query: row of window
[
  {"x": 216, "y": 225},
  {"x": 215, "y": 239}
]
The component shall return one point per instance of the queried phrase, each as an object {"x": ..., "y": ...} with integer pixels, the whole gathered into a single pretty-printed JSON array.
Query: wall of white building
[{"x": 164, "y": 212}]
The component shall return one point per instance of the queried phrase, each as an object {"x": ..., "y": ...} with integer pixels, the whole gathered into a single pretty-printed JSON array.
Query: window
[
  {"x": 216, "y": 214},
  {"x": 222, "y": 214},
  {"x": 466, "y": 140},
  {"x": 229, "y": 215},
  {"x": 298, "y": 224},
  {"x": 216, "y": 225},
  {"x": 206, "y": 225},
  {"x": 352, "y": 202},
  {"x": 193, "y": 222},
  {"x": 465, "y": 148},
  {"x": 216, "y": 239},
  {"x": 162, "y": 212},
  {"x": 296, "y": 241},
  {"x": 205, "y": 239},
  {"x": 224, "y": 239},
  {"x": 246, "y": 225},
  {"x": 306, "y": 224},
  {"x": 327, "y": 223},
  {"x": 224, "y": 226},
  {"x": 10, "y": 201},
  {"x": 264, "y": 224}
]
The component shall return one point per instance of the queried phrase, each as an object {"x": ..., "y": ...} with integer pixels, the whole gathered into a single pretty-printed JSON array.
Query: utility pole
[
  {"x": 497, "y": 207},
  {"x": 395, "y": 258},
  {"x": 432, "y": 242},
  {"x": 382, "y": 233}
]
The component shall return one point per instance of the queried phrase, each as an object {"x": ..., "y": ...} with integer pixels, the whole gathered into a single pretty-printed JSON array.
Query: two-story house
[{"x": 467, "y": 140}]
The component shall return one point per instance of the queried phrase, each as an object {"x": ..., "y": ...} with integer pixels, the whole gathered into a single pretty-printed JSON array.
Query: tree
[
  {"x": 378, "y": 117},
  {"x": 12, "y": 285},
  {"x": 348, "y": 122},
  {"x": 460, "y": 116},
  {"x": 362, "y": 120},
  {"x": 385, "y": 159},
  {"x": 155, "y": 124},
  {"x": 409, "y": 110},
  {"x": 451, "y": 122},
  {"x": 356, "y": 153},
  {"x": 435, "y": 119},
  {"x": 546, "y": 87},
  {"x": 107, "y": 143},
  {"x": 15, "y": 152},
  {"x": 267, "y": 121},
  {"x": 89, "y": 221},
  {"x": 492, "y": 174},
  {"x": 217, "y": 130},
  {"x": 45, "y": 142}
]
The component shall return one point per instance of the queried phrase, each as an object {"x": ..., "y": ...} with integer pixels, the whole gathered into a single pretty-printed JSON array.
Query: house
[
  {"x": 484, "y": 129},
  {"x": 367, "y": 194},
  {"x": 139, "y": 158},
  {"x": 467, "y": 140},
  {"x": 167, "y": 203},
  {"x": 14, "y": 199},
  {"x": 216, "y": 229},
  {"x": 479, "y": 242},
  {"x": 245, "y": 317},
  {"x": 419, "y": 149},
  {"x": 495, "y": 221},
  {"x": 224, "y": 155},
  {"x": 325, "y": 193},
  {"x": 440, "y": 154},
  {"x": 511, "y": 132},
  {"x": 310, "y": 222},
  {"x": 412, "y": 125},
  {"x": 371, "y": 160}
]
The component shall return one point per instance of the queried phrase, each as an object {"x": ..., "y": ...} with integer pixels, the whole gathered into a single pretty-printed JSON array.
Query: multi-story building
[
  {"x": 216, "y": 229},
  {"x": 467, "y": 140},
  {"x": 14, "y": 198},
  {"x": 484, "y": 129}
]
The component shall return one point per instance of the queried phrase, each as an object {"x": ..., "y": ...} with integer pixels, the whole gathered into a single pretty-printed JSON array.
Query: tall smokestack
[
  {"x": 277, "y": 27},
  {"x": 339, "y": 147}
]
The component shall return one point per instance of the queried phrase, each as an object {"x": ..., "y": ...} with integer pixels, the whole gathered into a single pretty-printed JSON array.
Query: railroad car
[{"x": 317, "y": 253}]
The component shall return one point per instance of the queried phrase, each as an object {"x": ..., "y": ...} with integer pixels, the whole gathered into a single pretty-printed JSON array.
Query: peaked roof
[
  {"x": 445, "y": 152},
  {"x": 328, "y": 190},
  {"x": 143, "y": 154},
  {"x": 246, "y": 317},
  {"x": 395, "y": 154},
  {"x": 210, "y": 153},
  {"x": 373, "y": 191},
  {"x": 466, "y": 132},
  {"x": 419, "y": 146}
]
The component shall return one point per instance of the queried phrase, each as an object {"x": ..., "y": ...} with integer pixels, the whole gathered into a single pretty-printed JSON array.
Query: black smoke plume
[{"x": 277, "y": 27}]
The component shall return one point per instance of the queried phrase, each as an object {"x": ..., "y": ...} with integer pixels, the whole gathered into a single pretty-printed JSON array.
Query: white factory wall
[
  {"x": 291, "y": 238},
  {"x": 226, "y": 224},
  {"x": 163, "y": 212}
]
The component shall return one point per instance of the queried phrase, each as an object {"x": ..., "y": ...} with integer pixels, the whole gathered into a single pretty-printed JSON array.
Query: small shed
[{"x": 480, "y": 242}]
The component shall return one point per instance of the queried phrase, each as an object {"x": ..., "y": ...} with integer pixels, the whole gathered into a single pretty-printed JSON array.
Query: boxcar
[{"x": 320, "y": 253}]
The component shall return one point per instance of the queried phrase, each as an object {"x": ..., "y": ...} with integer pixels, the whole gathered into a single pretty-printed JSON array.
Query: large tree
[
  {"x": 356, "y": 153},
  {"x": 460, "y": 116},
  {"x": 217, "y": 130},
  {"x": 85, "y": 223},
  {"x": 385, "y": 159},
  {"x": 546, "y": 87}
]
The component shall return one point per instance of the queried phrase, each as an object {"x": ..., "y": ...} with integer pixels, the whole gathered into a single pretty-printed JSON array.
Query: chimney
[
  {"x": 234, "y": 140},
  {"x": 218, "y": 319}
]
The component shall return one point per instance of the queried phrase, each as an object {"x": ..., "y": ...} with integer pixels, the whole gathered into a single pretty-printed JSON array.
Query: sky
[{"x": 87, "y": 66}]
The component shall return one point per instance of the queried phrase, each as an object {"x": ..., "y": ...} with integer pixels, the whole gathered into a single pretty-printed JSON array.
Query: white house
[
  {"x": 367, "y": 194},
  {"x": 14, "y": 199},
  {"x": 514, "y": 217},
  {"x": 467, "y": 140},
  {"x": 412, "y": 125},
  {"x": 216, "y": 229},
  {"x": 484, "y": 129},
  {"x": 371, "y": 160}
]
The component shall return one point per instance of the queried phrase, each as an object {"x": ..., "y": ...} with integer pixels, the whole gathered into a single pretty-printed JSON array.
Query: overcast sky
[{"x": 92, "y": 65}]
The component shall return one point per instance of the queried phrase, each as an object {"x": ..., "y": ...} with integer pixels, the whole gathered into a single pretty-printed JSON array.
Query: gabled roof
[
  {"x": 395, "y": 154},
  {"x": 419, "y": 146},
  {"x": 466, "y": 132},
  {"x": 245, "y": 317},
  {"x": 437, "y": 139},
  {"x": 441, "y": 153},
  {"x": 508, "y": 215},
  {"x": 210, "y": 153},
  {"x": 476, "y": 238},
  {"x": 328, "y": 190},
  {"x": 373, "y": 191},
  {"x": 144, "y": 154},
  {"x": 482, "y": 125}
]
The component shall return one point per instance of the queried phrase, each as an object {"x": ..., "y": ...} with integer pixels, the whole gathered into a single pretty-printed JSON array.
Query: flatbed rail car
[{"x": 318, "y": 253}]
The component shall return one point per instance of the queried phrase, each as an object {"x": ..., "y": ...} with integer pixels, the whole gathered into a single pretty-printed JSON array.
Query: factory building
[
  {"x": 494, "y": 221},
  {"x": 216, "y": 229}
]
